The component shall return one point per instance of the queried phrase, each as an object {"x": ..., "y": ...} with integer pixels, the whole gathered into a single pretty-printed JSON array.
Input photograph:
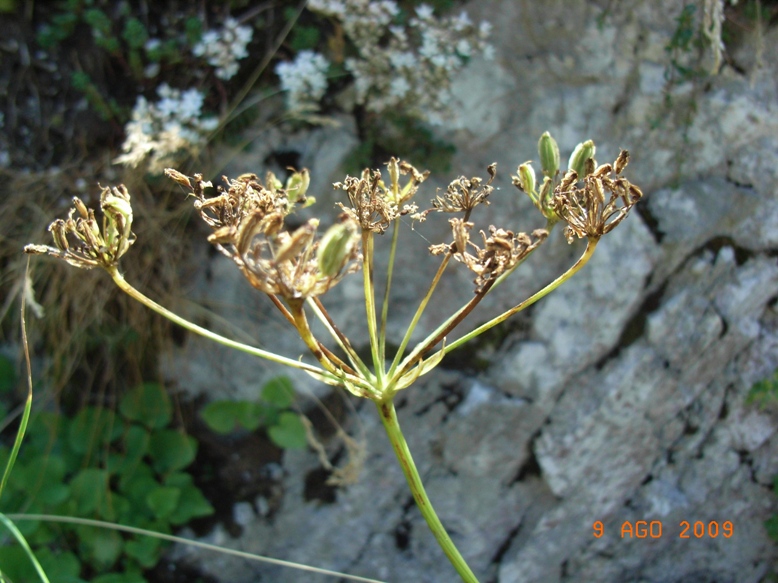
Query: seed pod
[
  {"x": 621, "y": 162},
  {"x": 583, "y": 152},
  {"x": 297, "y": 185},
  {"x": 337, "y": 247},
  {"x": 80, "y": 207},
  {"x": 526, "y": 180},
  {"x": 394, "y": 176},
  {"x": 549, "y": 155},
  {"x": 295, "y": 243},
  {"x": 182, "y": 179}
]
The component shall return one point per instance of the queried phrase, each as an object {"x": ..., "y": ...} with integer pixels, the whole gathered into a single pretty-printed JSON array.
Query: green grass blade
[{"x": 23, "y": 542}]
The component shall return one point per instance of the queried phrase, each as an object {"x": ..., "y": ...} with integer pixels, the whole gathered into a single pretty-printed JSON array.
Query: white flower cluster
[
  {"x": 414, "y": 68},
  {"x": 304, "y": 79},
  {"x": 224, "y": 48},
  {"x": 160, "y": 130}
]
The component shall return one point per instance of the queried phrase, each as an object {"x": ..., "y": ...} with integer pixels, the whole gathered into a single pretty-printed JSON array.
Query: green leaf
[
  {"x": 103, "y": 547},
  {"x": 220, "y": 416},
  {"x": 16, "y": 565},
  {"x": 90, "y": 490},
  {"x": 145, "y": 550},
  {"x": 163, "y": 500},
  {"x": 289, "y": 433},
  {"x": 136, "y": 446},
  {"x": 226, "y": 416},
  {"x": 171, "y": 450},
  {"x": 148, "y": 404},
  {"x": 60, "y": 567},
  {"x": 136, "y": 488},
  {"x": 279, "y": 391},
  {"x": 120, "y": 578},
  {"x": 191, "y": 505},
  {"x": 93, "y": 428}
]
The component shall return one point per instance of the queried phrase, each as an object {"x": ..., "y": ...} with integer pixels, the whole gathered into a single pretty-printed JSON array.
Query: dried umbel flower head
[
  {"x": 248, "y": 223},
  {"x": 463, "y": 195},
  {"x": 594, "y": 205},
  {"x": 501, "y": 251},
  {"x": 82, "y": 243},
  {"x": 374, "y": 204}
]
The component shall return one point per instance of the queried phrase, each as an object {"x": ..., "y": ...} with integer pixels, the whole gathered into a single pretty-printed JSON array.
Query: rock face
[{"x": 620, "y": 397}]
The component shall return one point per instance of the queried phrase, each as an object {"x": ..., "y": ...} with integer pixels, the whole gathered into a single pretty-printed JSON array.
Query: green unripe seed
[{"x": 549, "y": 155}]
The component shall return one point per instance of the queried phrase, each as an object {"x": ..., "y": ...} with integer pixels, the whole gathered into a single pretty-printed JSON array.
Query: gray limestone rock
[{"x": 619, "y": 398}]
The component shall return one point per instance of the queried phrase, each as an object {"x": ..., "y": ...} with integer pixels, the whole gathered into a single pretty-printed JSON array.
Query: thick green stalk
[
  {"x": 389, "y": 418},
  {"x": 583, "y": 260}
]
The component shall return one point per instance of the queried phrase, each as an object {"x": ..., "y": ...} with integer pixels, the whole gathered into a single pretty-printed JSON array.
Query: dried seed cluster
[
  {"x": 463, "y": 195},
  {"x": 374, "y": 204},
  {"x": 82, "y": 243},
  {"x": 502, "y": 250},
  {"x": 248, "y": 222},
  {"x": 583, "y": 204}
]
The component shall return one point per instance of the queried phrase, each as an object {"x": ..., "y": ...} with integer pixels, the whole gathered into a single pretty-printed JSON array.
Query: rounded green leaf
[
  {"x": 220, "y": 416},
  {"x": 101, "y": 546},
  {"x": 279, "y": 391},
  {"x": 145, "y": 550},
  {"x": 162, "y": 501},
  {"x": 90, "y": 490},
  {"x": 289, "y": 433},
  {"x": 92, "y": 428},
  {"x": 148, "y": 404},
  {"x": 60, "y": 567},
  {"x": 191, "y": 505},
  {"x": 171, "y": 450}
]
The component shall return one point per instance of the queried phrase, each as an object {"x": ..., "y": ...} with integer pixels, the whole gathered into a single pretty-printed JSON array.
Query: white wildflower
[
  {"x": 305, "y": 78},
  {"x": 161, "y": 130},
  {"x": 410, "y": 66},
  {"x": 424, "y": 11},
  {"x": 224, "y": 48}
]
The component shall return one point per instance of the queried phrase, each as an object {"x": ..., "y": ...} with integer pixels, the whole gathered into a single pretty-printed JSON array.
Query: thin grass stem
[{"x": 184, "y": 541}]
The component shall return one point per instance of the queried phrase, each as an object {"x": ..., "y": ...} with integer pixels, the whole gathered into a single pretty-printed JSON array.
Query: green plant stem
[
  {"x": 369, "y": 284},
  {"x": 345, "y": 344},
  {"x": 28, "y": 401},
  {"x": 304, "y": 330},
  {"x": 583, "y": 260},
  {"x": 385, "y": 305},
  {"x": 164, "y": 312},
  {"x": 389, "y": 418},
  {"x": 417, "y": 315},
  {"x": 441, "y": 331}
]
